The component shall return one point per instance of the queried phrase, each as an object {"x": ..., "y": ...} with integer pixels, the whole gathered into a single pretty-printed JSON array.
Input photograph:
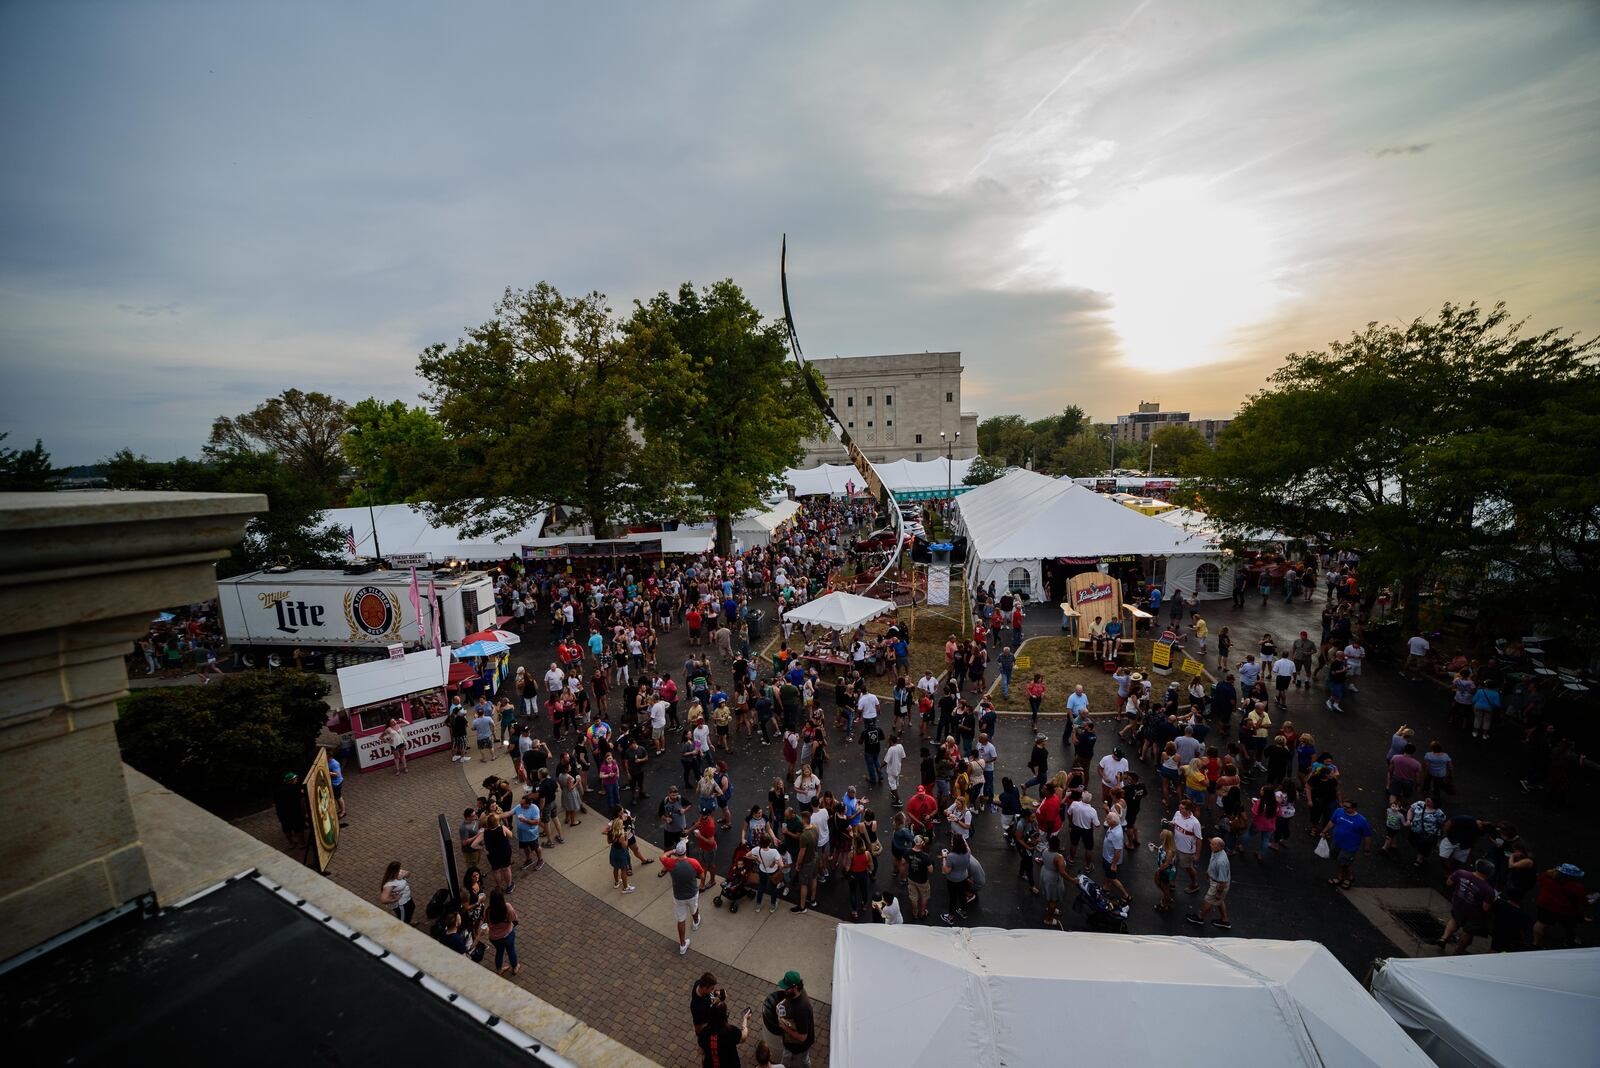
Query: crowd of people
[{"x": 1237, "y": 782}]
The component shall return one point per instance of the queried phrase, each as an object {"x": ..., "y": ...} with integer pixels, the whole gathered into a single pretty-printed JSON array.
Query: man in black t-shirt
[
  {"x": 700, "y": 998},
  {"x": 918, "y": 866},
  {"x": 872, "y": 746}
]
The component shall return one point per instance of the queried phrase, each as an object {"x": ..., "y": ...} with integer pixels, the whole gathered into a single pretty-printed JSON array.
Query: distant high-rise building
[
  {"x": 895, "y": 406},
  {"x": 1139, "y": 425}
]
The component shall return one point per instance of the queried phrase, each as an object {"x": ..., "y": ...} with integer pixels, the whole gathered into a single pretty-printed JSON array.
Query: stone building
[
  {"x": 895, "y": 407},
  {"x": 1139, "y": 425}
]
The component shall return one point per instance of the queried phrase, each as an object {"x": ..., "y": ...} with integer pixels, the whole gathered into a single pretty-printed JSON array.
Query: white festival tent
[
  {"x": 1200, "y": 523},
  {"x": 1490, "y": 1009},
  {"x": 901, "y": 476},
  {"x": 404, "y": 528},
  {"x": 755, "y": 528},
  {"x": 1018, "y": 521},
  {"x": 839, "y": 611},
  {"x": 1003, "y": 997}
]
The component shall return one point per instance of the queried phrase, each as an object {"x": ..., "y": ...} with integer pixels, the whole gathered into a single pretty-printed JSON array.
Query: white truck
[{"x": 270, "y": 615}]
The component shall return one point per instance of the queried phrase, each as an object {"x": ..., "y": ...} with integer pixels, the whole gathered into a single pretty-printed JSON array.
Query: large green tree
[
  {"x": 539, "y": 406},
  {"x": 395, "y": 452},
  {"x": 729, "y": 407},
  {"x": 25, "y": 469},
  {"x": 1455, "y": 452},
  {"x": 1006, "y": 439},
  {"x": 1178, "y": 449},
  {"x": 303, "y": 430}
]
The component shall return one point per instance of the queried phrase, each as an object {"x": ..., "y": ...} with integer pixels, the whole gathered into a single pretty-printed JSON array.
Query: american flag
[{"x": 350, "y": 541}]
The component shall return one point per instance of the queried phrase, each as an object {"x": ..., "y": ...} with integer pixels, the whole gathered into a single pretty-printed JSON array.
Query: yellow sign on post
[
  {"x": 1191, "y": 666},
  {"x": 1161, "y": 655},
  {"x": 1024, "y": 663}
]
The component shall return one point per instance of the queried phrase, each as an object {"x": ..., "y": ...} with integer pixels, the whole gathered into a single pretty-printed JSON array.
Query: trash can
[{"x": 753, "y": 618}]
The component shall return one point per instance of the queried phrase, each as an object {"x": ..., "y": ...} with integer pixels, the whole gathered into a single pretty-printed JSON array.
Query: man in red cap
[{"x": 920, "y": 810}]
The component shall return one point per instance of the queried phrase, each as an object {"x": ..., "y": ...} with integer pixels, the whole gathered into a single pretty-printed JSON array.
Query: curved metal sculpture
[{"x": 870, "y": 478}]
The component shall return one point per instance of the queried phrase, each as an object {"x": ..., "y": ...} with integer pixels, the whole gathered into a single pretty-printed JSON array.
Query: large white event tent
[
  {"x": 901, "y": 476},
  {"x": 999, "y": 997},
  {"x": 1484, "y": 1010},
  {"x": 839, "y": 611},
  {"x": 1016, "y": 522},
  {"x": 404, "y": 528}
]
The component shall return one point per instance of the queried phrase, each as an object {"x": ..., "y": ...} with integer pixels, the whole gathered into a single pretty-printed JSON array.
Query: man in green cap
[{"x": 796, "y": 1020}]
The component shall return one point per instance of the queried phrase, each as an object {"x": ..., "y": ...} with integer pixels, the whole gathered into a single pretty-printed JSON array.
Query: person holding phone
[{"x": 719, "y": 1042}]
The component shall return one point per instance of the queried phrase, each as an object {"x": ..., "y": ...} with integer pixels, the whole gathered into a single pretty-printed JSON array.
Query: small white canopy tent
[
  {"x": 1016, "y": 522},
  {"x": 755, "y": 528},
  {"x": 839, "y": 611},
  {"x": 1492, "y": 1009},
  {"x": 1201, "y": 524},
  {"x": 1001, "y": 997}
]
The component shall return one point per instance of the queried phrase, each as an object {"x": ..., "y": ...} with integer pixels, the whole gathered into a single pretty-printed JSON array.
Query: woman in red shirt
[{"x": 1036, "y": 698}]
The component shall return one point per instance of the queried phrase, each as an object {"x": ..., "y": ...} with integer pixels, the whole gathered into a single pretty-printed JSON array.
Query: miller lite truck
[{"x": 268, "y": 615}]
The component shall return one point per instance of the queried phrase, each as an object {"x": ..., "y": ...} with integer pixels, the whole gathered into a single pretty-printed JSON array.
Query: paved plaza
[{"x": 612, "y": 960}]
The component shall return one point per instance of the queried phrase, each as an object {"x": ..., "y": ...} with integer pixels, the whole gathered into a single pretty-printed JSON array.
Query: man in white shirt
[
  {"x": 1353, "y": 655},
  {"x": 867, "y": 705},
  {"x": 893, "y": 761},
  {"x": 1082, "y": 819},
  {"x": 1417, "y": 651},
  {"x": 928, "y": 684},
  {"x": 1186, "y": 830},
  {"x": 1282, "y": 675},
  {"x": 701, "y": 736},
  {"x": 658, "y": 723},
  {"x": 554, "y": 681},
  {"x": 819, "y": 820},
  {"x": 1113, "y": 768}
]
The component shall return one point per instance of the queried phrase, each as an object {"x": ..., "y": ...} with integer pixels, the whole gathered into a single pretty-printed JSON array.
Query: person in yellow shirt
[{"x": 1201, "y": 631}]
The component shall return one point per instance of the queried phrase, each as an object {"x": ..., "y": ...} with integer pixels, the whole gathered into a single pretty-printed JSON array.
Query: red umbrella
[
  {"x": 460, "y": 673},
  {"x": 504, "y": 637}
]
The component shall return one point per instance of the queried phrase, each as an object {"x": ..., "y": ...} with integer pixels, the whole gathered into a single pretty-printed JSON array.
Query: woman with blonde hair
[
  {"x": 1166, "y": 868},
  {"x": 621, "y": 865}
]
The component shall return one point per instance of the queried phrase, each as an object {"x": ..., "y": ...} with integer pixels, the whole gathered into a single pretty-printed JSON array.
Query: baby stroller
[
  {"x": 1100, "y": 910},
  {"x": 740, "y": 881}
]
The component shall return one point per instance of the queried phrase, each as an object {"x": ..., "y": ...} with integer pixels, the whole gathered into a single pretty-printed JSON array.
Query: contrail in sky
[{"x": 1076, "y": 67}]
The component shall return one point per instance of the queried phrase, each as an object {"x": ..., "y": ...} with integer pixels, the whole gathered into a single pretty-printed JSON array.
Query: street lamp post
[
  {"x": 1151, "y": 467},
  {"x": 949, "y": 461}
]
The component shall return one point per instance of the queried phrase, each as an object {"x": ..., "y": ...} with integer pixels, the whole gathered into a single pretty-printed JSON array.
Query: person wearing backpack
[{"x": 787, "y": 1013}]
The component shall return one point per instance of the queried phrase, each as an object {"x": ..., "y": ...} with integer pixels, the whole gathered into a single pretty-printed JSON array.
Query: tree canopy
[
  {"x": 395, "y": 449},
  {"x": 728, "y": 410},
  {"x": 25, "y": 469},
  {"x": 303, "y": 430},
  {"x": 1455, "y": 452},
  {"x": 538, "y": 406},
  {"x": 1178, "y": 449}
]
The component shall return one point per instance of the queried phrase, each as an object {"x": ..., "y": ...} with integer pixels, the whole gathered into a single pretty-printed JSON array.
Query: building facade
[
  {"x": 1139, "y": 425},
  {"x": 895, "y": 407}
]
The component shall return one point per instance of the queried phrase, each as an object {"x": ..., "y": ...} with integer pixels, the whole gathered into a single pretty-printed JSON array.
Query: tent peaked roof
[
  {"x": 839, "y": 611},
  {"x": 1028, "y": 516},
  {"x": 1456, "y": 1008},
  {"x": 987, "y": 991}
]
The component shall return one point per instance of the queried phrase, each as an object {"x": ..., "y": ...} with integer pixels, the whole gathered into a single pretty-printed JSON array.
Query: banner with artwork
[
  {"x": 939, "y": 584},
  {"x": 324, "y": 810}
]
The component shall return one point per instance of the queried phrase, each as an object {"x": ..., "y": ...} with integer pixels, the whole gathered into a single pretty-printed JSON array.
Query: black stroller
[{"x": 1101, "y": 911}]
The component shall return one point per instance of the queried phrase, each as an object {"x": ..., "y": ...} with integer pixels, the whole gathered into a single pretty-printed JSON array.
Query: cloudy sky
[{"x": 1095, "y": 202}]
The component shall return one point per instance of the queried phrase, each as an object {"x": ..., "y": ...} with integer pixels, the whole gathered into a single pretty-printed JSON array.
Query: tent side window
[
  {"x": 1019, "y": 580},
  {"x": 1208, "y": 577}
]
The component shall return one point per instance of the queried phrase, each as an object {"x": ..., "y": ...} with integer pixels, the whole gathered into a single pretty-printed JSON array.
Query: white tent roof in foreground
[
  {"x": 1487, "y": 1009},
  {"x": 1001, "y": 997},
  {"x": 1028, "y": 516},
  {"x": 898, "y": 476},
  {"x": 839, "y": 611}
]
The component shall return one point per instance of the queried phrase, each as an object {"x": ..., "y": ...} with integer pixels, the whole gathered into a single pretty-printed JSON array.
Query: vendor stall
[{"x": 409, "y": 689}]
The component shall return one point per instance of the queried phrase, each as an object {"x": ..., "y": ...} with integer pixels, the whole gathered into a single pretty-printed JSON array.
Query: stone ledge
[{"x": 189, "y": 850}]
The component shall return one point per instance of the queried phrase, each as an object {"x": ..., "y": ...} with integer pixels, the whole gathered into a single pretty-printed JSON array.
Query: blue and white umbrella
[
  {"x": 164, "y": 617},
  {"x": 480, "y": 649}
]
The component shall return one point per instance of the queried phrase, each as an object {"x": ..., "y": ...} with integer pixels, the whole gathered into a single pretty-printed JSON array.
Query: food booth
[{"x": 410, "y": 688}]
